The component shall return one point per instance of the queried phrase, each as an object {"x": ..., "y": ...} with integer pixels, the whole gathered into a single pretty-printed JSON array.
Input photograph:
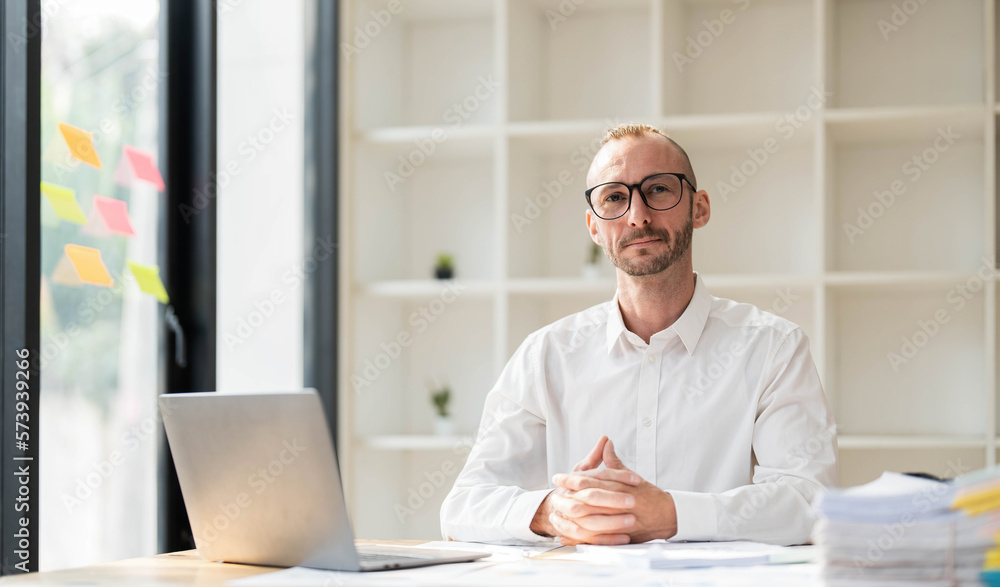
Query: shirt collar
[{"x": 688, "y": 326}]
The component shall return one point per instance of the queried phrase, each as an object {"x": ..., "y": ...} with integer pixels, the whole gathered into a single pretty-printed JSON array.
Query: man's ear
[
  {"x": 592, "y": 226},
  {"x": 701, "y": 209}
]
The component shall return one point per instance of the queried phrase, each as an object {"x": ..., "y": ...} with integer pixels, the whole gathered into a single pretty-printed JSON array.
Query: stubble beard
[{"x": 645, "y": 263}]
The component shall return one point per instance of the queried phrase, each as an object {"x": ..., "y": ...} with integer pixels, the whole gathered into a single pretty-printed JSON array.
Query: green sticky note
[
  {"x": 148, "y": 278},
  {"x": 63, "y": 201}
]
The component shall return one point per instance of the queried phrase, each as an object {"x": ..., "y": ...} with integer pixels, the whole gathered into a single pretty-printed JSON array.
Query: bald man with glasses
[{"x": 664, "y": 413}]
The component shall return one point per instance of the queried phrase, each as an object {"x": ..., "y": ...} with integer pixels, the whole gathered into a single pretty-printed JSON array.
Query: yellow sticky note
[
  {"x": 63, "y": 201},
  {"x": 80, "y": 144},
  {"x": 89, "y": 266},
  {"x": 148, "y": 277}
]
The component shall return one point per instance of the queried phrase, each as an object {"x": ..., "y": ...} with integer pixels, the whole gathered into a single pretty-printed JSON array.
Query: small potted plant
[
  {"x": 445, "y": 267},
  {"x": 442, "y": 421},
  {"x": 591, "y": 270}
]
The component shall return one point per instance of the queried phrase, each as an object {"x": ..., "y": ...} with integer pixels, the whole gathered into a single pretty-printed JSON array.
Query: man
[{"x": 708, "y": 415}]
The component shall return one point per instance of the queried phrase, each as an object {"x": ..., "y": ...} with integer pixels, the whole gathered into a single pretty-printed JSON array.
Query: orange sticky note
[
  {"x": 80, "y": 144},
  {"x": 65, "y": 274},
  {"x": 89, "y": 266},
  {"x": 138, "y": 164},
  {"x": 114, "y": 215},
  {"x": 148, "y": 278}
]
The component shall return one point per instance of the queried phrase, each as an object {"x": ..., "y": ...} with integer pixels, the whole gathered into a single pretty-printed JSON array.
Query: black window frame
[{"x": 20, "y": 278}]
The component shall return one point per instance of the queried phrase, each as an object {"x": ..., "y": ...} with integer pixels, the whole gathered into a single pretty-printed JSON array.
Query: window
[{"x": 99, "y": 341}]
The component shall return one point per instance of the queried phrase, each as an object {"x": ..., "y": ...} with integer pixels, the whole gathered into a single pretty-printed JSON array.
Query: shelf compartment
[
  {"x": 546, "y": 217},
  {"x": 563, "y": 65},
  {"x": 909, "y": 362},
  {"x": 415, "y": 66},
  {"x": 909, "y": 62},
  {"x": 881, "y": 193},
  {"x": 767, "y": 177},
  {"x": 405, "y": 216},
  {"x": 714, "y": 61},
  {"x": 407, "y": 346}
]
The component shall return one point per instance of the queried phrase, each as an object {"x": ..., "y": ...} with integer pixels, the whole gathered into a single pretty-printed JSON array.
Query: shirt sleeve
[
  {"x": 505, "y": 477},
  {"x": 795, "y": 459}
]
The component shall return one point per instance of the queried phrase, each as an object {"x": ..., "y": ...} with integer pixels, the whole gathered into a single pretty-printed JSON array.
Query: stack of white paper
[{"x": 900, "y": 530}]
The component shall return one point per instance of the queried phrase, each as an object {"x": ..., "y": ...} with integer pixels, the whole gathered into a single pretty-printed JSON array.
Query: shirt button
[
  {"x": 647, "y": 422},
  {"x": 651, "y": 359}
]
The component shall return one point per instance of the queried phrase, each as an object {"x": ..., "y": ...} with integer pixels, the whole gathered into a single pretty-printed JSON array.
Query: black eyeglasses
[{"x": 661, "y": 191}]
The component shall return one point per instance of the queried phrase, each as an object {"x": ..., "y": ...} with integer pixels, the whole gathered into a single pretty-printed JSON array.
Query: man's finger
[
  {"x": 593, "y": 459},
  {"x": 611, "y": 459},
  {"x": 572, "y": 508},
  {"x": 567, "y": 528},
  {"x": 604, "y": 498},
  {"x": 570, "y": 533},
  {"x": 578, "y": 480},
  {"x": 619, "y": 523}
]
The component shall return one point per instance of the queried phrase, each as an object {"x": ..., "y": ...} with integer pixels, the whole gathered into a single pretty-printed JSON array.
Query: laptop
[{"x": 261, "y": 484}]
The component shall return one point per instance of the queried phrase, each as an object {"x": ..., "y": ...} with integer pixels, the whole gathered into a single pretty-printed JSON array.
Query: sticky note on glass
[
  {"x": 140, "y": 165},
  {"x": 65, "y": 273},
  {"x": 114, "y": 215},
  {"x": 80, "y": 144},
  {"x": 63, "y": 201},
  {"x": 148, "y": 278},
  {"x": 89, "y": 266}
]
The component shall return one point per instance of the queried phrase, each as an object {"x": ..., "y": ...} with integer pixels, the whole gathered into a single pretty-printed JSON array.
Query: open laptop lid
[{"x": 260, "y": 479}]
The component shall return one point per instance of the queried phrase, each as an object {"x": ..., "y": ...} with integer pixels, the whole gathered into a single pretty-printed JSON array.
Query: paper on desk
[
  {"x": 304, "y": 577},
  {"x": 674, "y": 555},
  {"x": 548, "y": 573}
]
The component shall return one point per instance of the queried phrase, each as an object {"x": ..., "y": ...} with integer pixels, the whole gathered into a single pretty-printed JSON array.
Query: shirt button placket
[{"x": 649, "y": 384}]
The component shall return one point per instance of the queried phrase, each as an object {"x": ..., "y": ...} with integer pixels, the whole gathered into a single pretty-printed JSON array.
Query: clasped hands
[{"x": 609, "y": 505}]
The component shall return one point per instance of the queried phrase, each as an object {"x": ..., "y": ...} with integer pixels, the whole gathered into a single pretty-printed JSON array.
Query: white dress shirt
[{"x": 724, "y": 410}]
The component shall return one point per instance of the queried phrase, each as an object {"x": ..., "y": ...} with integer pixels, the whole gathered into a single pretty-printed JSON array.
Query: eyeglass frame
[{"x": 638, "y": 187}]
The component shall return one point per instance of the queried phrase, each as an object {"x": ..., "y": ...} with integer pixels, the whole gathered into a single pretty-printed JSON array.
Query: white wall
[{"x": 260, "y": 142}]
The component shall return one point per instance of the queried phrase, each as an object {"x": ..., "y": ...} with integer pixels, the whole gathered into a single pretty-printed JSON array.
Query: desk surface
[
  {"x": 187, "y": 568},
  {"x": 178, "y": 568}
]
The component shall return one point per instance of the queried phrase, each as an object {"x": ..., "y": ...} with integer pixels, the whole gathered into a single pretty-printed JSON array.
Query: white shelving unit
[{"x": 468, "y": 129}]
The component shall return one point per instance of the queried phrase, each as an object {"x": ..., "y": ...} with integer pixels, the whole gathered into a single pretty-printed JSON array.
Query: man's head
[{"x": 644, "y": 240}]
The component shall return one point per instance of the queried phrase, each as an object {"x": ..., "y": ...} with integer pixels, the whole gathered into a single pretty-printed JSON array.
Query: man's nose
[{"x": 639, "y": 213}]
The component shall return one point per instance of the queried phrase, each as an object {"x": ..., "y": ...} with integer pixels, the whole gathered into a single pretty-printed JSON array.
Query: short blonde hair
[
  {"x": 637, "y": 130},
  {"x": 631, "y": 129}
]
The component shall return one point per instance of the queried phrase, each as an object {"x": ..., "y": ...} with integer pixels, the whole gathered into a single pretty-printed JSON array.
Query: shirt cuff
[
  {"x": 521, "y": 512},
  {"x": 695, "y": 516}
]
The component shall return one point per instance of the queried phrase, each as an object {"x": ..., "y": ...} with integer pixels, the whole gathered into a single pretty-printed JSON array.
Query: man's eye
[
  {"x": 612, "y": 198},
  {"x": 659, "y": 189}
]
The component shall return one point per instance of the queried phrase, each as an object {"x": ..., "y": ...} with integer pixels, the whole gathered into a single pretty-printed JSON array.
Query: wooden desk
[{"x": 178, "y": 568}]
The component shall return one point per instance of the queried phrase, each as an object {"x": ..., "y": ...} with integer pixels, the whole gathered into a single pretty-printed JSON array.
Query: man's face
[{"x": 644, "y": 241}]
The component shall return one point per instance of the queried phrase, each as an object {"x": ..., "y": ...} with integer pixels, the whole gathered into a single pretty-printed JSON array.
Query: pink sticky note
[
  {"x": 114, "y": 213},
  {"x": 138, "y": 164}
]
